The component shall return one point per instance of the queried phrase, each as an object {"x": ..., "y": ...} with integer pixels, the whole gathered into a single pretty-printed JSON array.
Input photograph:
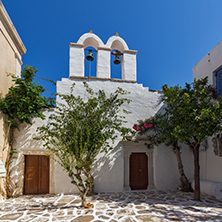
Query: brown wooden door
[
  {"x": 36, "y": 175},
  {"x": 138, "y": 171}
]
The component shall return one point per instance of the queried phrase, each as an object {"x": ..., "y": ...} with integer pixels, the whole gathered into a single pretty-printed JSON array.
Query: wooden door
[
  {"x": 36, "y": 174},
  {"x": 138, "y": 171}
]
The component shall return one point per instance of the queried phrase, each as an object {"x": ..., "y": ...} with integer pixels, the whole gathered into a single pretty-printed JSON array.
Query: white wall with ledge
[
  {"x": 209, "y": 64},
  {"x": 210, "y": 163},
  {"x": 108, "y": 170},
  {"x": 144, "y": 103}
]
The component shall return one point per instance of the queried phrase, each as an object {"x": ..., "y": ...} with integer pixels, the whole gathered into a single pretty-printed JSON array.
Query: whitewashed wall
[
  {"x": 144, "y": 103},
  {"x": 109, "y": 169},
  {"x": 166, "y": 168},
  {"x": 209, "y": 64},
  {"x": 210, "y": 164},
  {"x": 26, "y": 145}
]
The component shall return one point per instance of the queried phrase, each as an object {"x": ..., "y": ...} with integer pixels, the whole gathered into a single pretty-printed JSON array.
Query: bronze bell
[
  {"x": 89, "y": 57},
  {"x": 117, "y": 60}
]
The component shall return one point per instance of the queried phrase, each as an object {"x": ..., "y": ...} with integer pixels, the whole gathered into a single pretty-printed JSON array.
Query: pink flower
[
  {"x": 148, "y": 125},
  {"x": 139, "y": 120},
  {"x": 158, "y": 140},
  {"x": 136, "y": 127},
  {"x": 143, "y": 129},
  {"x": 209, "y": 88}
]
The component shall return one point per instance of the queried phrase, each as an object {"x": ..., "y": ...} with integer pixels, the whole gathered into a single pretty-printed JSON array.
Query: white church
[{"x": 156, "y": 168}]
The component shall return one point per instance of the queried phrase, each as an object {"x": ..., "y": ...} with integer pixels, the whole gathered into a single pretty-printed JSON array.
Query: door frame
[
  {"x": 132, "y": 147},
  {"x": 21, "y": 168}
]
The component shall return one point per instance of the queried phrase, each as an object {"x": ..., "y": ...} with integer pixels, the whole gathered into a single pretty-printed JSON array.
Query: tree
[
  {"x": 81, "y": 129},
  {"x": 195, "y": 112},
  {"x": 158, "y": 130},
  {"x": 23, "y": 101}
]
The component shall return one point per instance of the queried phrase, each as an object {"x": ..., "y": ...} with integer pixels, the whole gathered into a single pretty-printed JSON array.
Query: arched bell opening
[
  {"x": 116, "y": 64},
  {"x": 90, "y": 61}
]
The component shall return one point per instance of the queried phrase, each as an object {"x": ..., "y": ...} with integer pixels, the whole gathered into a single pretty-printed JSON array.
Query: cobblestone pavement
[{"x": 113, "y": 207}]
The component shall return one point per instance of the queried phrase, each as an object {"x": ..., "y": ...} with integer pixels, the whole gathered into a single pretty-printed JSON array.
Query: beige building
[{"x": 12, "y": 49}]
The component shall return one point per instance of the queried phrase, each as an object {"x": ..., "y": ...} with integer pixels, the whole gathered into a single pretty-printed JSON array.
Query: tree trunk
[
  {"x": 91, "y": 189},
  {"x": 89, "y": 176},
  {"x": 83, "y": 198},
  {"x": 82, "y": 189},
  {"x": 185, "y": 186},
  {"x": 196, "y": 173},
  {"x": 10, "y": 185}
]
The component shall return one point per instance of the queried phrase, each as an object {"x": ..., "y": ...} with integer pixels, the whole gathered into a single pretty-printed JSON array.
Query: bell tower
[{"x": 115, "y": 43}]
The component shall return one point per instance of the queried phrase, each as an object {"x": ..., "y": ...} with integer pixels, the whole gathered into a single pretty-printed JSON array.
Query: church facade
[{"x": 156, "y": 168}]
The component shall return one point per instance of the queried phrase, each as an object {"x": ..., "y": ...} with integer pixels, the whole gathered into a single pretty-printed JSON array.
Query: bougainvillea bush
[{"x": 148, "y": 127}]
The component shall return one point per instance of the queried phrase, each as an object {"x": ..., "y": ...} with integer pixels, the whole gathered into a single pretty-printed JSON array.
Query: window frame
[{"x": 218, "y": 86}]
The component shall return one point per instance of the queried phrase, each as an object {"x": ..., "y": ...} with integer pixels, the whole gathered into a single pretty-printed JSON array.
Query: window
[{"x": 219, "y": 81}]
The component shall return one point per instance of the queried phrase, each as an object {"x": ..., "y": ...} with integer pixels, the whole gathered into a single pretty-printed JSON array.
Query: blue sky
[{"x": 171, "y": 36}]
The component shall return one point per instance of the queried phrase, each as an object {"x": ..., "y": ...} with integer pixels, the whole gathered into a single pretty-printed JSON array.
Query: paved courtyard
[{"x": 113, "y": 207}]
